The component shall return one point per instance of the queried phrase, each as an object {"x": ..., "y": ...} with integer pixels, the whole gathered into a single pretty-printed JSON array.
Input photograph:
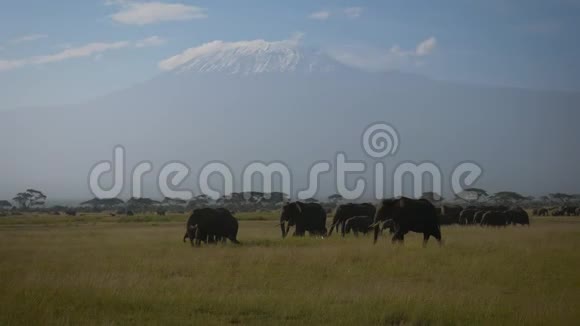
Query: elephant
[
  {"x": 478, "y": 216},
  {"x": 517, "y": 215},
  {"x": 346, "y": 211},
  {"x": 449, "y": 214},
  {"x": 309, "y": 217},
  {"x": 570, "y": 210},
  {"x": 543, "y": 212},
  {"x": 494, "y": 218},
  {"x": 578, "y": 211},
  {"x": 211, "y": 225},
  {"x": 466, "y": 216},
  {"x": 557, "y": 211},
  {"x": 417, "y": 215},
  {"x": 358, "y": 224}
]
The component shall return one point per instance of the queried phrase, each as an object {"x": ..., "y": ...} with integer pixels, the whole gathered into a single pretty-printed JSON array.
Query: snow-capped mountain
[
  {"x": 264, "y": 101},
  {"x": 252, "y": 57}
]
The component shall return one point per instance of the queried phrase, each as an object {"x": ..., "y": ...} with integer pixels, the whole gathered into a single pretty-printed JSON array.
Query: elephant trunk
[
  {"x": 282, "y": 229},
  {"x": 334, "y": 224}
]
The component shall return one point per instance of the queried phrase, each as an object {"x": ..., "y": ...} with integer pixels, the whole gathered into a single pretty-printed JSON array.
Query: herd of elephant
[
  {"x": 400, "y": 216},
  {"x": 557, "y": 211}
]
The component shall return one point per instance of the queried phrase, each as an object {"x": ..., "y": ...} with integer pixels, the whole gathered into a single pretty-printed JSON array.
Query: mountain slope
[{"x": 279, "y": 103}]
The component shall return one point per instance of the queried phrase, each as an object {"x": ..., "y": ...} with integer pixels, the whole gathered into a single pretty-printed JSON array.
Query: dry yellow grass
[{"x": 141, "y": 273}]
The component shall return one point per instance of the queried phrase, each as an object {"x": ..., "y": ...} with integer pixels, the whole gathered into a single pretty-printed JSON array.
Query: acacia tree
[
  {"x": 508, "y": 197},
  {"x": 106, "y": 203},
  {"x": 174, "y": 202},
  {"x": 198, "y": 202},
  {"x": 472, "y": 195},
  {"x": 30, "y": 198},
  {"x": 4, "y": 204},
  {"x": 141, "y": 204},
  {"x": 562, "y": 198},
  {"x": 335, "y": 199}
]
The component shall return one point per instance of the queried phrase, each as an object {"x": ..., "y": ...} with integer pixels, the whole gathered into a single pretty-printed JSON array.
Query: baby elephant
[{"x": 358, "y": 224}]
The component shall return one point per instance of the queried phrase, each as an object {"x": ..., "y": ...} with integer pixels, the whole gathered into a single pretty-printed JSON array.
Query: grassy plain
[{"x": 103, "y": 270}]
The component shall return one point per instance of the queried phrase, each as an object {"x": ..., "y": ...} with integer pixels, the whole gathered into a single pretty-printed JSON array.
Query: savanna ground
[{"x": 102, "y": 270}]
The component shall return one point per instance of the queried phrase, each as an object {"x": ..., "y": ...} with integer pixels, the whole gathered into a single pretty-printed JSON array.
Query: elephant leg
[
  {"x": 355, "y": 232},
  {"x": 398, "y": 237},
  {"x": 198, "y": 237},
  {"x": 191, "y": 236},
  {"x": 402, "y": 238},
  {"x": 437, "y": 235},
  {"x": 426, "y": 236},
  {"x": 299, "y": 232}
]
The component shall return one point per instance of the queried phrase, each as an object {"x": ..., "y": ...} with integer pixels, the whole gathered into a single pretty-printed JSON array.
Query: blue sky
[{"x": 57, "y": 52}]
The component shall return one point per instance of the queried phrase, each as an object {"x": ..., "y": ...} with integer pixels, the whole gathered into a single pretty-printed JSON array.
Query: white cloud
[
  {"x": 28, "y": 38},
  {"x": 95, "y": 50},
  {"x": 143, "y": 13},
  {"x": 11, "y": 64},
  {"x": 150, "y": 41},
  {"x": 79, "y": 52},
  {"x": 380, "y": 59},
  {"x": 353, "y": 12},
  {"x": 426, "y": 47},
  {"x": 320, "y": 15}
]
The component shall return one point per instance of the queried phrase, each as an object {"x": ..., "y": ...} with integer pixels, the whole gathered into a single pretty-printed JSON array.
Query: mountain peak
[{"x": 251, "y": 57}]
